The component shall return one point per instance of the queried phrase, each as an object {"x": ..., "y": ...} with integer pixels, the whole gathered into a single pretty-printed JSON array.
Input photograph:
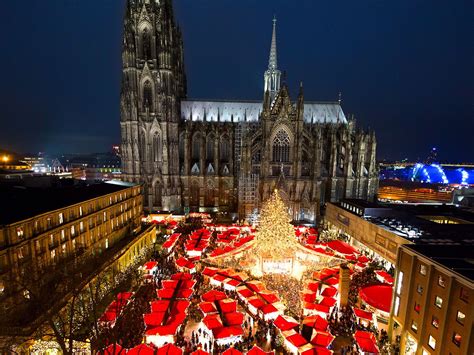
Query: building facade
[
  {"x": 42, "y": 230},
  {"x": 224, "y": 155},
  {"x": 432, "y": 309}
]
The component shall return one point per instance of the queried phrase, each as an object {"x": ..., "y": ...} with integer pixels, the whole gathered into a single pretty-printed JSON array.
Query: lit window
[
  {"x": 53, "y": 254},
  {"x": 106, "y": 243},
  {"x": 51, "y": 239},
  {"x": 105, "y": 216},
  {"x": 460, "y": 317},
  {"x": 64, "y": 248},
  {"x": 63, "y": 235},
  {"x": 414, "y": 326},
  {"x": 419, "y": 289},
  {"x": 61, "y": 218},
  {"x": 432, "y": 342},
  {"x": 397, "y": 305},
  {"x": 74, "y": 244},
  {"x": 73, "y": 230},
  {"x": 422, "y": 269},
  {"x": 26, "y": 294},
  {"x": 399, "y": 282},
  {"x": 441, "y": 281},
  {"x": 457, "y": 339},
  {"x": 80, "y": 210},
  {"x": 110, "y": 199},
  {"x": 19, "y": 232},
  {"x": 425, "y": 352},
  {"x": 81, "y": 226},
  {"x": 435, "y": 322},
  {"x": 438, "y": 302},
  {"x": 2, "y": 287}
]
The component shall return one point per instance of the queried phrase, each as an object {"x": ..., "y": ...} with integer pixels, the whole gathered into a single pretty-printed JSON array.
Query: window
[
  {"x": 424, "y": 352},
  {"x": 441, "y": 281},
  {"x": 52, "y": 254},
  {"x": 61, "y": 218},
  {"x": 63, "y": 235},
  {"x": 147, "y": 97},
  {"x": 432, "y": 342},
  {"x": 460, "y": 317},
  {"x": 438, "y": 302},
  {"x": 106, "y": 243},
  {"x": 464, "y": 294},
  {"x": 419, "y": 289},
  {"x": 224, "y": 148},
  {"x": 210, "y": 148},
  {"x": 146, "y": 44},
  {"x": 422, "y": 269},
  {"x": 417, "y": 307},
  {"x": 81, "y": 226},
  {"x": 399, "y": 282},
  {"x": 80, "y": 210},
  {"x": 281, "y": 147},
  {"x": 414, "y": 326},
  {"x": 105, "y": 216},
  {"x": 19, "y": 232},
  {"x": 457, "y": 339},
  {"x": 397, "y": 305},
  {"x": 435, "y": 322},
  {"x": 48, "y": 222},
  {"x": 73, "y": 231}
]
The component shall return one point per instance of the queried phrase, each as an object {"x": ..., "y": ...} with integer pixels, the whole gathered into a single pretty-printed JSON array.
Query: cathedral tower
[
  {"x": 272, "y": 74},
  {"x": 153, "y": 84}
]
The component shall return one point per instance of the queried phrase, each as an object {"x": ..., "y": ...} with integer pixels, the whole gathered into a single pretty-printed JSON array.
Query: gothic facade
[{"x": 229, "y": 155}]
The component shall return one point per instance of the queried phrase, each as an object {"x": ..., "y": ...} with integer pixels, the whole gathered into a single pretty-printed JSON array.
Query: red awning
[
  {"x": 114, "y": 349},
  {"x": 199, "y": 352},
  {"x": 285, "y": 323},
  {"x": 142, "y": 349},
  {"x": 342, "y": 247},
  {"x": 297, "y": 340},
  {"x": 169, "y": 349},
  {"x": 366, "y": 341},
  {"x": 378, "y": 296},
  {"x": 317, "y": 322},
  {"x": 384, "y": 276},
  {"x": 213, "y": 295},
  {"x": 227, "y": 332},
  {"x": 258, "y": 351},
  {"x": 359, "y": 313},
  {"x": 232, "y": 351},
  {"x": 322, "y": 339}
]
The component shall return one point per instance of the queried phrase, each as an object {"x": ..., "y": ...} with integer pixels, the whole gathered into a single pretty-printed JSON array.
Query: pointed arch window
[
  {"x": 224, "y": 149},
  {"x": 281, "y": 147},
  {"x": 146, "y": 44},
  {"x": 147, "y": 96},
  {"x": 181, "y": 147},
  {"x": 143, "y": 146},
  {"x": 196, "y": 147},
  {"x": 210, "y": 148},
  {"x": 156, "y": 149}
]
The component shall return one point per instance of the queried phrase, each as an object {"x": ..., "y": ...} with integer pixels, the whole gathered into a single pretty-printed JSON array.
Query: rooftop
[
  {"x": 459, "y": 260},
  {"x": 23, "y": 200}
]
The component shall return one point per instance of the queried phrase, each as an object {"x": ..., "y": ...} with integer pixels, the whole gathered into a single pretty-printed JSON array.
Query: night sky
[{"x": 404, "y": 67}]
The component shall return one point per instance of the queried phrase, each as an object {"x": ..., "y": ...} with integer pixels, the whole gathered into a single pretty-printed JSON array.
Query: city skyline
[{"x": 79, "y": 79}]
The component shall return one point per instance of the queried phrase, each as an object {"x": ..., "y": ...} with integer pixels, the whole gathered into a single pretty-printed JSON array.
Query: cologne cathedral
[{"x": 227, "y": 155}]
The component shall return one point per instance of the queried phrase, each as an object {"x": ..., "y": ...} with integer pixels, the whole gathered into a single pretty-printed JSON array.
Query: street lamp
[{"x": 5, "y": 158}]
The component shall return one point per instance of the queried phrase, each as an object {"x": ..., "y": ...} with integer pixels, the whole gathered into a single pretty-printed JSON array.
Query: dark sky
[{"x": 405, "y": 68}]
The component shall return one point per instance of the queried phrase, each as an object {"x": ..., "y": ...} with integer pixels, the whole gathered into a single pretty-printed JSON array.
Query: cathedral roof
[{"x": 196, "y": 110}]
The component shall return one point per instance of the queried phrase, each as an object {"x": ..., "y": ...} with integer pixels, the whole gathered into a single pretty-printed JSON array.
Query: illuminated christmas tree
[{"x": 276, "y": 235}]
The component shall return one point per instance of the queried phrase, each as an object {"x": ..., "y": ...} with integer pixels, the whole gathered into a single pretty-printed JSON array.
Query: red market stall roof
[
  {"x": 114, "y": 349},
  {"x": 227, "y": 305},
  {"x": 150, "y": 265},
  {"x": 385, "y": 276},
  {"x": 233, "y": 318},
  {"x": 297, "y": 340},
  {"x": 359, "y": 313},
  {"x": 378, "y": 296},
  {"x": 268, "y": 309},
  {"x": 184, "y": 262},
  {"x": 209, "y": 271},
  {"x": 256, "y": 286},
  {"x": 246, "y": 293},
  {"x": 329, "y": 291},
  {"x": 232, "y": 351},
  {"x": 316, "y": 307},
  {"x": 174, "y": 283},
  {"x": 213, "y": 295},
  {"x": 317, "y": 350},
  {"x": 366, "y": 341},
  {"x": 342, "y": 247},
  {"x": 227, "y": 332},
  {"x": 322, "y": 339},
  {"x": 199, "y": 352},
  {"x": 256, "y": 302},
  {"x": 258, "y": 351},
  {"x": 182, "y": 276},
  {"x": 317, "y": 322},
  {"x": 208, "y": 307},
  {"x": 328, "y": 301},
  {"x": 142, "y": 349},
  {"x": 169, "y": 349},
  {"x": 285, "y": 323},
  {"x": 170, "y": 293},
  {"x": 108, "y": 316},
  {"x": 212, "y": 321},
  {"x": 308, "y": 297},
  {"x": 363, "y": 259}
]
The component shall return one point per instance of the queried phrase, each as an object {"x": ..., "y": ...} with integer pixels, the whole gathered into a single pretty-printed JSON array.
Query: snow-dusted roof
[{"x": 195, "y": 110}]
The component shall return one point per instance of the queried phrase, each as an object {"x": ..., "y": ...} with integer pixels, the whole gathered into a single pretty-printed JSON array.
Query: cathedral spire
[
  {"x": 272, "y": 61},
  {"x": 272, "y": 74}
]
